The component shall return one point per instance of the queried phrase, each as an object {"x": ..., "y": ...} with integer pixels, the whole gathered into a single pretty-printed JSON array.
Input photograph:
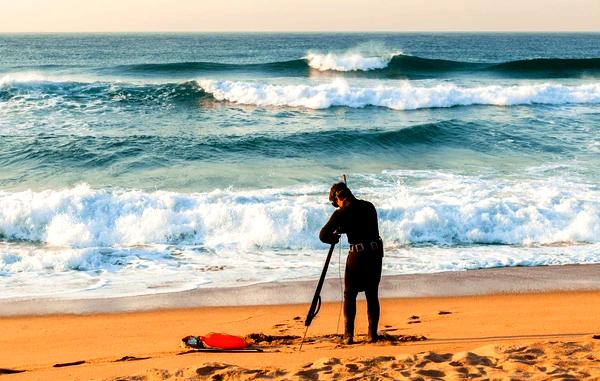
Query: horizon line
[{"x": 295, "y": 31}]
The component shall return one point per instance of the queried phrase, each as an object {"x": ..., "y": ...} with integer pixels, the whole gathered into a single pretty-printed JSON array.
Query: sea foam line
[{"x": 404, "y": 96}]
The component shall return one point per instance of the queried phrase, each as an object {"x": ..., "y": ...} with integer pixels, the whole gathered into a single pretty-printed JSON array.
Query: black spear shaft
[{"x": 315, "y": 306}]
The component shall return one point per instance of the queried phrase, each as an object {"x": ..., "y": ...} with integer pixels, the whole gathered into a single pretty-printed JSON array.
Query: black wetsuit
[{"x": 358, "y": 220}]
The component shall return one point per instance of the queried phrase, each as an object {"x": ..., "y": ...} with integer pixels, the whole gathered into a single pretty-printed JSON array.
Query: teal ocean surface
[{"x": 144, "y": 163}]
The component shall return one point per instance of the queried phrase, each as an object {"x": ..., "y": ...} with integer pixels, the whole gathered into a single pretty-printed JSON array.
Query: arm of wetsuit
[{"x": 328, "y": 232}]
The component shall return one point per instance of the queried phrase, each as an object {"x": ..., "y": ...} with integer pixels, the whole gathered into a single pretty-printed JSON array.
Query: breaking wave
[
  {"x": 405, "y": 96},
  {"x": 44, "y": 92},
  {"x": 441, "y": 209}
]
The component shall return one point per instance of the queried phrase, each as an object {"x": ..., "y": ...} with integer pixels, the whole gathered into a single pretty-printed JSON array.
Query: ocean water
[{"x": 144, "y": 163}]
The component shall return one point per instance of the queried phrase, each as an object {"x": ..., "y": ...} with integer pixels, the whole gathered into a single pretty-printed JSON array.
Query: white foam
[
  {"x": 84, "y": 217},
  {"x": 25, "y": 77},
  {"x": 348, "y": 61},
  {"x": 37, "y": 271},
  {"x": 448, "y": 209},
  {"x": 34, "y": 78},
  {"x": 12, "y": 78},
  {"x": 404, "y": 96}
]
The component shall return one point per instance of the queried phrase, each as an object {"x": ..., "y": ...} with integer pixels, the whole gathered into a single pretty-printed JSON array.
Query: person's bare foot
[{"x": 348, "y": 340}]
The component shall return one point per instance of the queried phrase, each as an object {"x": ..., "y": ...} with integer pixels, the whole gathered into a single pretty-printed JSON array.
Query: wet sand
[{"x": 457, "y": 283}]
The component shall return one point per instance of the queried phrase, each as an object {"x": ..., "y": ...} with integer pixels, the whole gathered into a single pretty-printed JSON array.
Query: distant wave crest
[
  {"x": 386, "y": 65},
  {"x": 348, "y": 61},
  {"x": 347, "y": 64}
]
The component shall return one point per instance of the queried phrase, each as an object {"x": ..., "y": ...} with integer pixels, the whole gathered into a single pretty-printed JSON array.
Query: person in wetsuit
[{"x": 358, "y": 220}]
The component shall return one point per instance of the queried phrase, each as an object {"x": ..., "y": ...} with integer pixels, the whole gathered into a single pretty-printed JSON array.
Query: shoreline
[{"x": 505, "y": 280}]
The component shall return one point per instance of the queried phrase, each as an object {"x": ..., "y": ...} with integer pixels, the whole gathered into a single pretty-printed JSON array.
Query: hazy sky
[{"x": 298, "y": 15}]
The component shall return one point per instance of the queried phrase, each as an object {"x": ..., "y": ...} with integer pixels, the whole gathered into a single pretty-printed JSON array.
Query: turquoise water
[{"x": 148, "y": 163}]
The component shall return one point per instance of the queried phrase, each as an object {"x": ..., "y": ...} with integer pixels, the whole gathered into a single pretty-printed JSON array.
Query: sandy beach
[{"x": 515, "y": 335}]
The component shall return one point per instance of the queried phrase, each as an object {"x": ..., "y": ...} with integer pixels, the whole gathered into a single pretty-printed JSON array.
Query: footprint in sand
[
  {"x": 282, "y": 327},
  {"x": 131, "y": 358},
  {"x": 60, "y": 365},
  {"x": 431, "y": 373},
  {"x": 210, "y": 368},
  {"x": 414, "y": 320},
  {"x": 297, "y": 319}
]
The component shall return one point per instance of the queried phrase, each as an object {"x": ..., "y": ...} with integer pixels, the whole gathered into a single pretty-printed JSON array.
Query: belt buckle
[{"x": 359, "y": 247}]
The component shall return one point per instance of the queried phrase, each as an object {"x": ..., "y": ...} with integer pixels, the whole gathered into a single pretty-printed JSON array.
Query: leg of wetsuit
[
  {"x": 350, "y": 293},
  {"x": 349, "y": 312},
  {"x": 373, "y": 311},
  {"x": 372, "y": 293}
]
